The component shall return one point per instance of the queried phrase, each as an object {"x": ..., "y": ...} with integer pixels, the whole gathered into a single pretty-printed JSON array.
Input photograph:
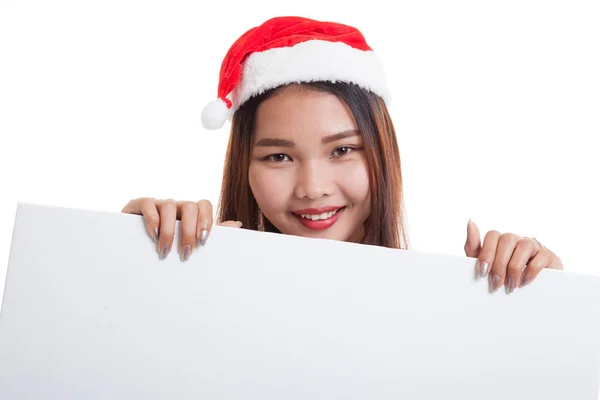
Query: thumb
[
  {"x": 231, "y": 224},
  {"x": 473, "y": 243}
]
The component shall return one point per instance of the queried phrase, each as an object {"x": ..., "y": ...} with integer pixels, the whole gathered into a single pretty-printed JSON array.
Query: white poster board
[{"x": 91, "y": 312}]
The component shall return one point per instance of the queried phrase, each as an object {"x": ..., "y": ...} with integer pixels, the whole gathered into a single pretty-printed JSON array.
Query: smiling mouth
[
  {"x": 322, "y": 216},
  {"x": 320, "y": 221}
]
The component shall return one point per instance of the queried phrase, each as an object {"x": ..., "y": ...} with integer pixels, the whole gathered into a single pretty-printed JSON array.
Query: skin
[
  {"x": 508, "y": 259},
  {"x": 296, "y": 163},
  {"x": 308, "y": 153}
]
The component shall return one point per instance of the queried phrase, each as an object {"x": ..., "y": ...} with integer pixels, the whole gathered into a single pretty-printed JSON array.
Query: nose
[{"x": 313, "y": 180}]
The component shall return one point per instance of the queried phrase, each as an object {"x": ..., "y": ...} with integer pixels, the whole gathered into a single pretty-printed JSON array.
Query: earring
[{"x": 261, "y": 220}]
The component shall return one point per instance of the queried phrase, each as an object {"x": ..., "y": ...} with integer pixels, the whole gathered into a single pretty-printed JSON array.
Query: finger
[
  {"x": 505, "y": 248},
  {"x": 536, "y": 244},
  {"x": 541, "y": 260},
  {"x": 132, "y": 207},
  {"x": 187, "y": 228},
  {"x": 205, "y": 221},
  {"x": 473, "y": 243},
  {"x": 168, "y": 215},
  {"x": 146, "y": 207},
  {"x": 231, "y": 224},
  {"x": 524, "y": 251},
  {"x": 556, "y": 262},
  {"x": 487, "y": 253}
]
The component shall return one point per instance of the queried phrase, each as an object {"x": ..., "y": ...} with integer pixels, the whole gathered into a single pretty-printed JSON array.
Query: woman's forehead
[{"x": 303, "y": 113}]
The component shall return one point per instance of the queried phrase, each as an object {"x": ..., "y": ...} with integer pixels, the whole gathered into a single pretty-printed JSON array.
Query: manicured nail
[
  {"x": 203, "y": 236},
  {"x": 155, "y": 234},
  {"x": 495, "y": 285},
  {"x": 510, "y": 285},
  {"x": 187, "y": 250},
  {"x": 483, "y": 269},
  {"x": 164, "y": 251},
  {"x": 526, "y": 279},
  {"x": 239, "y": 224}
]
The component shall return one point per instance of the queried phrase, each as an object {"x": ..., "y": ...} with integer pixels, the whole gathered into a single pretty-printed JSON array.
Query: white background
[{"x": 496, "y": 106}]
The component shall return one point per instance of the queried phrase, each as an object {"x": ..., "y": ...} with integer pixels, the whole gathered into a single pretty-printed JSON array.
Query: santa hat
[{"x": 292, "y": 49}]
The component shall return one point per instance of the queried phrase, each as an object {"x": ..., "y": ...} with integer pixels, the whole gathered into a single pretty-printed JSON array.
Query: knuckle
[
  {"x": 536, "y": 265},
  {"x": 204, "y": 204},
  {"x": 166, "y": 235},
  {"x": 188, "y": 206},
  {"x": 514, "y": 269},
  {"x": 526, "y": 243},
  {"x": 498, "y": 268},
  {"x": 488, "y": 257},
  {"x": 170, "y": 204},
  {"x": 506, "y": 238},
  {"x": 146, "y": 203},
  {"x": 493, "y": 234},
  {"x": 204, "y": 221},
  {"x": 188, "y": 239},
  {"x": 152, "y": 220}
]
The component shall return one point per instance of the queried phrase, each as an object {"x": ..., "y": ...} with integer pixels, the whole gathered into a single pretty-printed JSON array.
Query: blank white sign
[{"x": 91, "y": 312}]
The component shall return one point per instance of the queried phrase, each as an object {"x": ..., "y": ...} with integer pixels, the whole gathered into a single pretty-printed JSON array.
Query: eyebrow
[{"x": 267, "y": 142}]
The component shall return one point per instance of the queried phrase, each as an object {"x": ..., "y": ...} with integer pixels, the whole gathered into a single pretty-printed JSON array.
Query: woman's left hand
[{"x": 508, "y": 259}]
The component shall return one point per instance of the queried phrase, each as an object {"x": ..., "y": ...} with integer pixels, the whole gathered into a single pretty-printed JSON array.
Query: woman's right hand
[{"x": 160, "y": 216}]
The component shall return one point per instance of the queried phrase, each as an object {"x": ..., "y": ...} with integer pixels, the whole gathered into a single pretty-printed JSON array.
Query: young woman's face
[{"x": 308, "y": 171}]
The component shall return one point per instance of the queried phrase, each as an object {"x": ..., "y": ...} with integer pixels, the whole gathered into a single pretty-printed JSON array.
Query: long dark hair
[{"x": 386, "y": 224}]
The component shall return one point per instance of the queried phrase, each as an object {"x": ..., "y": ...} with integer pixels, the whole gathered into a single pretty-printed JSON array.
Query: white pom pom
[{"x": 214, "y": 114}]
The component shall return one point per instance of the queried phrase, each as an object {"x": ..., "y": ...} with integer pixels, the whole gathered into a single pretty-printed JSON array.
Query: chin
[{"x": 335, "y": 232}]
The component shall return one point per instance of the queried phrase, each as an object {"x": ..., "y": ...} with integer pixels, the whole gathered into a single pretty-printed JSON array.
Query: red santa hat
[{"x": 292, "y": 49}]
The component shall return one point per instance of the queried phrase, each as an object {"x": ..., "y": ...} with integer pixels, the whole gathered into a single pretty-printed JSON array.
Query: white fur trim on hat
[{"x": 313, "y": 60}]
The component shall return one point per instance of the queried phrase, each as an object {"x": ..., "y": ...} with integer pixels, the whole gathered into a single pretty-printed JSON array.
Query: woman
[{"x": 313, "y": 152}]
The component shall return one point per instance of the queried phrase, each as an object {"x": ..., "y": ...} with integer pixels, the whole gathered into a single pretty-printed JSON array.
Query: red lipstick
[{"x": 318, "y": 224}]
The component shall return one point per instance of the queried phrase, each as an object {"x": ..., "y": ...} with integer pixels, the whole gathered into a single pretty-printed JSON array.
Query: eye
[
  {"x": 342, "y": 151},
  {"x": 277, "y": 157}
]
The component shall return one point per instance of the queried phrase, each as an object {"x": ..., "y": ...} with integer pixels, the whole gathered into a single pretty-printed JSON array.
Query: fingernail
[
  {"x": 239, "y": 224},
  {"x": 495, "y": 283},
  {"x": 510, "y": 285},
  {"x": 483, "y": 269},
  {"x": 164, "y": 251},
  {"x": 187, "y": 250},
  {"x": 526, "y": 279},
  {"x": 155, "y": 234},
  {"x": 203, "y": 236}
]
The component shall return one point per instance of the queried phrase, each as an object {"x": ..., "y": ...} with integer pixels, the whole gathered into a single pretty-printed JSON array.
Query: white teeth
[{"x": 315, "y": 217}]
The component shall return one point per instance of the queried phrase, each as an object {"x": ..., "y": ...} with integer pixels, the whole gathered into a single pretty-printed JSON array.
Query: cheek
[
  {"x": 354, "y": 183},
  {"x": 270, "y": 188}
]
